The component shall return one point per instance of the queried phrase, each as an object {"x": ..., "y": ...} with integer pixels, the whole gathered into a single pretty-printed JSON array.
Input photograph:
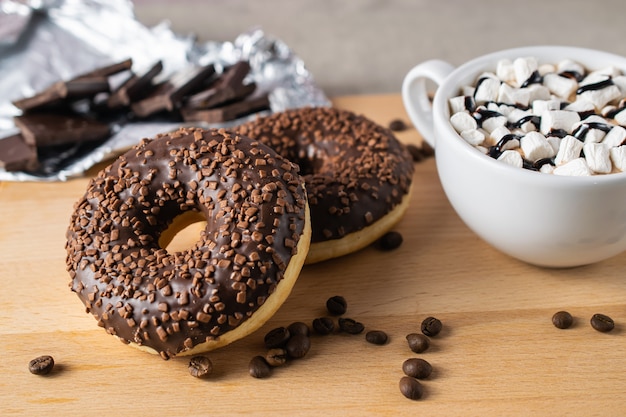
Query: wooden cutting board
[{"x": 498, "y": 354}]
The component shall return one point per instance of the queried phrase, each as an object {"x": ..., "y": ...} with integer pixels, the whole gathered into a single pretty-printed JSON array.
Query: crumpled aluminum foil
[{"x": 43, "y": 41}]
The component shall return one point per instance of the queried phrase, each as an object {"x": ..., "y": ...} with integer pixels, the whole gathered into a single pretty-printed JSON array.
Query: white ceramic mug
[{"x": 542, "y": 219}]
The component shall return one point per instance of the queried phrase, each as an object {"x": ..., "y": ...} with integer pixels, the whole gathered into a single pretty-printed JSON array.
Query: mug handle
[{"x": 415, "y": 95}]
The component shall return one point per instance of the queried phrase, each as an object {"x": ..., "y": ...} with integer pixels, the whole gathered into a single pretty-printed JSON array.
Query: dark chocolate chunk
[
  {"x": 134, "y": 88},
  {"x": 49, "y": 129},
  {"x": 83, "y": 86},
  {"x": 169, "y": 94},
  {"x": 108, "y": 70},
  {"x": 229, "y": 87},
  {"x": 57, "y": 93},
  {"x": 17, "y": 155},
  {"x": 228, "y": 112}
]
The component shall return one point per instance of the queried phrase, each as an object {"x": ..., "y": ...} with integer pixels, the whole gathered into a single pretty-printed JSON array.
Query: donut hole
[{"x": 183, "y": 233}]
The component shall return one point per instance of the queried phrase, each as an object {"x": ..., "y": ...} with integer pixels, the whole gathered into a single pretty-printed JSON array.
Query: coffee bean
[
  {"x": 350, "y": 326},
  {"x": 427, "y": 150},
  {"x": 602, "y": 323},
  {"x": 417, "y": 368},
  {"x": 376, "y": 337},
  {"x": 562, "y": 320},
  {"x": 416, "y": 152},
  {"x": 41, "y": 365},
  {"x": 200, "y": 366},
  {"x": 298, "y": 327},
  {"x": 298, "y": 346},
  {"x": 411, "y": 388},
  {"x": 390, "y": 240},
  {"x": 431, "y": 326},
  {"x": 259, "y": 368},
  {"x": 337, "y": 305},
  {"x": 397, "y": 125},
  {"x": 323, "y": 325},
  {"x": 276, "y": 337},
  {"x": 276, "y": 357},
  {"x": 418, "y": 342}
]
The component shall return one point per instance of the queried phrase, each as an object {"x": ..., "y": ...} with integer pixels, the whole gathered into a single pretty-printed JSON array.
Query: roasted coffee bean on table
[
  {"x": 418, "y": 342},
  {"x": 41, "y": 365},
  {"x": 337, "y": 305},
  {"x": 276, "y": 357},
  {"x": 431, "y": 326},
  {"x": 417, "y": 368},
  {"x": 259, "y": 368},
  {"x": 298, "y": 327},
  {"x": 602, "y": 323},
  {"x": 562, "y": 320},
  {"x": 376, "y": 337},
  {"x": 411, "y": 388},
  {"x": 200, "y": 366},
  {"x": 350, "y": 326},
  {"x": 276, "y": 338},
  {"x": 390, "y": 240},
  {"x": 323, "y": 325},
  {"x": 298, "y": 346},
  {"x": 397, "y": 125}
]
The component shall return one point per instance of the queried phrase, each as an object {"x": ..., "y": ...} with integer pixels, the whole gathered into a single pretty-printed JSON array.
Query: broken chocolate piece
[
  {"x": 17, "y": 155},
  {"x": 108, "y": 70},
  {"x": 134, "y": 88},
  {"x": 83, "y": 86},
  {"x": 169, "y": 94},
  {"x": 228, "y": 112},
  {"x": 229, "y": 87},
  {"x": 54, "y": 95},
  {"x": 45, "y": 129}
]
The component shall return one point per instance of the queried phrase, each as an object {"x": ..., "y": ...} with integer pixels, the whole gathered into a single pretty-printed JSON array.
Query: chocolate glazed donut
[
  {"x": 357, "y": 174},
  {"x": 229, "y": 282}
]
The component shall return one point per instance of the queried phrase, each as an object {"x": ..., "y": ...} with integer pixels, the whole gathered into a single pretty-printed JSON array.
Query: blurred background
[{"x": 367, "y": 46}]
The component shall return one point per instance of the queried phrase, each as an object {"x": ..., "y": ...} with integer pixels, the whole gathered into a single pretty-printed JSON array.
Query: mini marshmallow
[
  {"x": 546, "y": 169},
  {"x": 560, "y": 86},
  {"x": 542, "y": 106},
  {"x": 511, "y": 95},
  {"x": 597, "y": 157},
  {"x": 606, "y": 110},
  {"x": 558, "y": 120},
  {"x": 555, "y": 142},
  {"x": 620, "y": 117},
  {"x": 569, "y": 149},
  {"x": 460, "y": 103},
  {"x": 577, "y": 167},
  {"x": 497, "y": 133},
  {"x": 473, "y": 136},
  {"x": 615, "y": 137},
  {"x": 538, "y": 92},
  {"x": 524, "y": 69},
  {"x": 601, "y": 97},
  {"x": 544, "y": 69},
  {"x": 611, "y": 71},
  {"x": 463, "y": 121},
  {"x": 618, "y": 157},
  {"x": 518, "y": 114},
  {"x": 505, "y": 70},
  {"x": 581, "y": 106},
  {"x": 511, "y": 144},
  {"x": 491, "y": 123},
  {"x": 535, "y": 146},
  {"x": 569, "y": 66},
  {"x": 620, "y": 82},
  {"x": 512, "y": 158},
  {"x": 487, "y": 90}
]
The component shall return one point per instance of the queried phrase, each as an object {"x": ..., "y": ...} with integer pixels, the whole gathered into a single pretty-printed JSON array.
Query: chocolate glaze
[
  {"x": 355, "y": 170},
  {"x": 254, "y": 204}
]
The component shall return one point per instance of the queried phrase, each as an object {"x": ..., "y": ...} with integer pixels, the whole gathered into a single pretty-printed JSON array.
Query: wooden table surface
[{"x": 498, "y": 354}]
